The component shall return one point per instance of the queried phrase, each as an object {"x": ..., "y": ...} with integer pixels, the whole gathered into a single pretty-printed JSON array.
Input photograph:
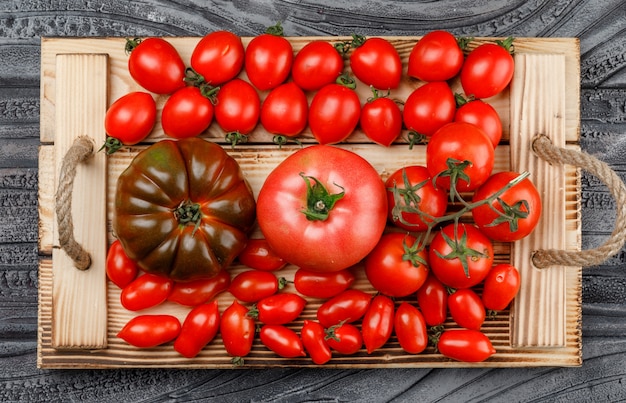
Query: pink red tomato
[
  {"x": 437, "y": 56},
  {"x": 186, "y": 113},
  {"x": 155, "y": 65},
  {"x": 429, "y": 107},
  {"x": 218, "y": 57},
  {"x": 317, "y": 64}
]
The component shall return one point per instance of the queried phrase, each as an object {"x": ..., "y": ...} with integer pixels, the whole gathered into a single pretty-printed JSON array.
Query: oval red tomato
[
  {"x": 317, "y": 64},
  {"x": 347, "y": 307},
  {"x": 155, "y": 65},
  {"x": 218, "y": 57},
  {"x": 437, "y": 56},
  {"x": 381, "y": 120},
  {"x": 344, "y": 338},
  {"x": 146, "y": 291},
  {"x": 432, "y": 299},
  {"x": 376, "y": 62},
  {"x": 322, "y": 284},
  {"x": 196, "y": 292},
  {"x": 500, "y": 287},
  {"x": 483, "y": 115},
  {"x": 147, "y": 331},
  {"x": 313, "y": 338},
  {"x": 129, "y": 120},
  {"x": 253, "y": 285},
  {"x": 268, "y": 59},
  {"x": 259, "y": 255},
  {"x": 410, "y": 328},
  {"x": 237, "y": 330},
  {"x": 199, "y": 328},
  {"x": 334, "y": 112},
  {"x": 488, "y": 69},
  {"x": 429, "y": 107},
  {"x": 285, "y": 110},
  {"x": 282, "y": 340},
  {"x": 120, "y": 269},
  {"x": 278, "y": 309},
  {"x": 465, "y": 345},
  {"x": 377, "y": 324},
  {"x": 467, "y": 309},
  {"x": 186, "y": 113},
  {"x": 238, "y": 108}
]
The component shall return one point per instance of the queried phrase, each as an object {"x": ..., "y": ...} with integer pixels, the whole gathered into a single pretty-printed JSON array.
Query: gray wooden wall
[{"x": 601, "y": 27}]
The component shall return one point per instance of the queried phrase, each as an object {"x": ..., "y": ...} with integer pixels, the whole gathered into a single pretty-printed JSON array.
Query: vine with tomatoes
[{"x": 423, "y": 238}]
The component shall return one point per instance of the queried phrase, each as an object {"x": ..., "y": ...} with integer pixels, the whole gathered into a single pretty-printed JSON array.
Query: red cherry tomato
[
  {"x": 237, "y": 330},
  {"x": 437, "y": 56},
  {"x": 155, "y": 65},
  {"x": 253, "y": 285},
  {"x": 317, "y": 64},
  {"x": 186, "y": 113},
  {"x": 196, "y": 292},
  {"x": 313, "y": 338},
  {"x": 282, "y": 340},
  {"x": 334, "y": 113},
  {"x": 129, "y": 120},
  {"x": 285, "y": 110},
  {"x": 432, "y": 299},
  {"x": 344, "y": 338},
  {"x": 410, "y": 328},
  {"x": 199, "y": 328},
  {"x": 376, "y": 62},
  {"x": 278, "y": 309},
  {"x": 238, "y": 107},
  {"x": 429, "y": 107},
  {"x": 268, "y": 59},
  {"x": 460, "y": 258},
  {"x": 483, "y": 115},
  {"x": 377, "y": 324},
  {"x": 465, "y": 345},
  {"x": 120, "y": 269},
  {"x": 381, "y": 120},
  {"x": 147, "y": 331},
  {"x": 511, "y": 216},
  {"x": 259, "y": 255},
  {"x": 347, "y": 307},
  {"x": 467, "y": 309},
  {"x": 218, "y": 57},
  {"x": 322, "y": 284},
  {"x": 488, "y": 69},
  {"x": 409, "y": 189},
  {"x": 396, "y": 267},
  {"x": 500, "y": 287},
  {"x": 146, "y": 291}
]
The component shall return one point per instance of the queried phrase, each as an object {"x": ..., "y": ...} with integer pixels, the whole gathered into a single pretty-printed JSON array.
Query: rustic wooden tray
[{"x": 80, "y": 314}]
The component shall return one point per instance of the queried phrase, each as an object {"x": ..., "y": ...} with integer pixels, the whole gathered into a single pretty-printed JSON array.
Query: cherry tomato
[
  {"x": 483, "y": 115},
  {"x": 155, "y": 65},
  {"x": 377, "y": 324},
  {"x": 285, "y": 110},
  {"x": 238, "y": 107},
  {"x": 376, "y": 62},
  {"x": 347, "y": 307},
  {"x": 397, "y": 267},
  {"x": 488, "y": 69},
  {"x": 313, "y": 338},
  {"x": 218, "y": 57},
  {"x": 511, "y": 216},
  {"x": 253, "y": 285},
  {"x": 410, "y": 190},
  {"x": 432, "y": 299},
  {"x": 437, "y": 56},
  {"x": 237, "y": 330},
  {"x": 322, "y": 285},
  {"x": 147, "y": 331},
  {"x": 129, "y": 120},
  {"x": 317, "y": 64},
  {"x": 196, "y": 292},
  {"x": 344, "y": 338},
  {"x": 278, "y": 309},
  {"x": 259, "y": 255},
  {"x": 410, "y": 329},
  {"x": 120, "y": 269},
  {"x": 186, "y": 113},
  {"x": 460, "y": 258},
  {"x": 381, "y": 119},
  {"x": 466, "y": 308},
  {"x": 500, "y": 287},
  {"x": 465, "y": 345},
  {"x": 268, "y": 59},
  {"x": 429, "y": 107},
  {"x": 199, "y": 328},
  {"x": 460, "y": 150},
  {"x": 334, "y": 113},
  {"x": 146, "y": 291},
  {"x": 282, "y": 340}
]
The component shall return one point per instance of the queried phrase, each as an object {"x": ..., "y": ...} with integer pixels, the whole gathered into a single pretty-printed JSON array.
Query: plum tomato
[
  {"x": 281, "y": 340},
  {"x": 313, "y": 338},
  {"x": 199, "y": 327},
  {"x": 120, "y": 269},
  {"x": 432, "y": 299},
  {"x": 488, "y": 69},
  {"x": 155, "y": 65},
  {"x": 347, "y": 307},
  {"x": 344, "y": 338},
  {"x": 218, "y": 57},
  {"x": 437, "y": 56},
  {"x": 237, "y": 330},
  {"x": 278, "y": 309},
  {"x": 186, "y": 113},
  {"x": 410, "y": 328},
  {"x": 147, "y": 331},
  {"x": 322, "y": 284},
  {"x": 259, "y": 255},
  {"x": 334, "y": 113},
  {"x": 465, "y": 345},
  {"x": 466, "y": 308},
  {"x": 146, "y": 291},
  {"x": 253, "y": 285},
  {"x": 381, "y": 119},
  {"x": 377, "y": 324},
  {"x": 129, "y": 120},
  {"x": 500, "y": 287},
  {"x": 429, "y": 107},
  {"x": 268, "y": 59},
  {"x": 196, "y": 292},
  {"x": 317, "y": 64},
  {"x": 376, "y": 62}
]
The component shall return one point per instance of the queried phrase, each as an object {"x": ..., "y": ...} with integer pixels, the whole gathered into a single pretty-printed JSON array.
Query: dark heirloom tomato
[{"x": 183, "y": 209}]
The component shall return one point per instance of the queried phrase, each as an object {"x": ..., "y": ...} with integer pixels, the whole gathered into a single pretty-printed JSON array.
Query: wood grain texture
[{"x": 599, "y": 26}]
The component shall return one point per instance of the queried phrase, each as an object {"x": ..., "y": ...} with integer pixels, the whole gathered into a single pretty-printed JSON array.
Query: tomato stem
[
  {"x": 131, "y": 44},
  {"x": 188, "y": 212},
  {"x": 507, "y": 44},
  {"x": 276, "y": 30},
  {"x": 346, "y": 80},
  {"x": 111, "y": 145},
  {"x": 319, "y": 201},
  {"x": 415, "y": 138},
  {"x": 235, "y": 138}
]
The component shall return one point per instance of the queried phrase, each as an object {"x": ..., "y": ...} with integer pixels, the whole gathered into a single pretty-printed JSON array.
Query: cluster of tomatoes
[{"x": 438, "y": 255}]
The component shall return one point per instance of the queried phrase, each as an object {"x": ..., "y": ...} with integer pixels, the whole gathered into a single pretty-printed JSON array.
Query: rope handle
[
  {"x": 544, "y": 149},
  {"x": 81, "y": 150}
]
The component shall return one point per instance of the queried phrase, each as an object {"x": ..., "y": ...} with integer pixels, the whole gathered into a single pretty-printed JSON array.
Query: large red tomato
[{"x": 323, "y": 208}]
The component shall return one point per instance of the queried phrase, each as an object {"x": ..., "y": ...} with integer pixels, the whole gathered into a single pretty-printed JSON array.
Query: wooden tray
[{"x": 80, "y": 313}]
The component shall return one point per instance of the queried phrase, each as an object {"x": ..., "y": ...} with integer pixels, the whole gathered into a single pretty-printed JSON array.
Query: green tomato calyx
[{"x": 319, "y": 200}]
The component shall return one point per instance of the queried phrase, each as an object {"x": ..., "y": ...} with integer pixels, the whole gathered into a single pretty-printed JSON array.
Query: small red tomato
[
  {"x": 376, "y": 62},
  {"x": 237, "y": 330},
  {"x": 465, "y": 345},
  {"x": 129, "y": 120},
  {"x": 334, "y": 113},
  {"x": 150, "y": 330},
  {"x": 253, "y": 285},
  {"x": 278, "y": 309},
  {"x": 238, "y": 108},
  {"x": 432, "y": 299},
  {"x": 377, "y": 324},
  {"x": 500, "y": 287},
  {"x": 429, "y": 107},
  {"x": 285, "y": 110},
  {"x": 155, "y": 65},
  {"x": 488, "y": 69},
  {"x": 466, "y": 308},
  {"x": 196, "y": 292},
  {"x": 199, "y": 328},
  {"x": 322, "y": 284},
  {"x": 317, "y": 64},
  {"x": 313, "y": 338},
  {"x": 410, "y": 328},
  {"x": 186, "y": 113},
  {"x": 146, "y": 291},
  {"x": 282, "y": 340},
  {"x": 381, "y": 120},
  {"x": 344, "y": 338},
  {"x": 268, "y": 59},
  {"x": 259, "y": 255},
  {"x": 120, "y": 269},
  {"x": 483, "y": 115},
  {"x": 218, "y": 57},
  {"x": 437, "y": 56},
  {"x": 347, "y": 307}
]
